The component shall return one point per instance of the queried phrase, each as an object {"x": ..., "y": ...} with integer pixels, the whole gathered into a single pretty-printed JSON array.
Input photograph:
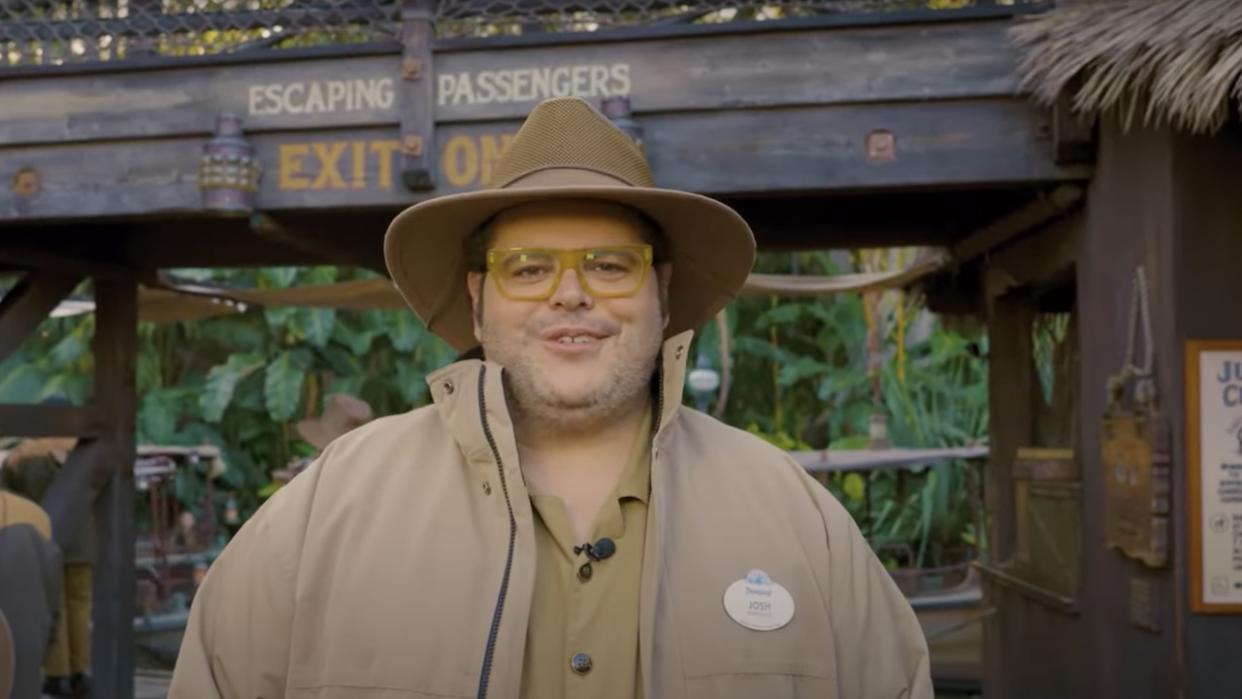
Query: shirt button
[
  {"x": 580, "y": 663},
  {"x": 585, "y": 572}
]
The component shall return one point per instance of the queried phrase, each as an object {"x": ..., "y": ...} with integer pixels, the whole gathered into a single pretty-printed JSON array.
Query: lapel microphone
[{"x": 598, "y": 551}]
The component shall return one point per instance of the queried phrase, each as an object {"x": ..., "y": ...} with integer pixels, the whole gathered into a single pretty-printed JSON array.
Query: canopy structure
[
  {"x": 1170, "y": 63},
  {"x": 174, "y": 301}
]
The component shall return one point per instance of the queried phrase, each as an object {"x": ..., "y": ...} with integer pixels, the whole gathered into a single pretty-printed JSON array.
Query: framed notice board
[{"x": 1214, "y": 474}]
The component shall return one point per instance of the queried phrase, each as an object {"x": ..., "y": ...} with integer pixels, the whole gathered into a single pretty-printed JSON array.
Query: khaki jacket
[{"x": 402, "y": 564}]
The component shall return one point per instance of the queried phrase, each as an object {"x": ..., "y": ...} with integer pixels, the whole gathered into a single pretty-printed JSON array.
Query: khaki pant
[{"x": 71, "y": 649}]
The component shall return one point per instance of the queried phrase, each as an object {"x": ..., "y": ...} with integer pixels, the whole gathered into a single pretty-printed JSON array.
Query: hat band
[{"x": 566, "y": 177}]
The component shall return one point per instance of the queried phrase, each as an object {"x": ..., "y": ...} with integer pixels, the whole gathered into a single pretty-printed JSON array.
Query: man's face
[{"x": 572, "y": 358}]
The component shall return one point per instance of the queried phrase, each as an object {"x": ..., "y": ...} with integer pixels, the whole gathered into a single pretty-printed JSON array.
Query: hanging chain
[{"x": 1144, "y": 383}]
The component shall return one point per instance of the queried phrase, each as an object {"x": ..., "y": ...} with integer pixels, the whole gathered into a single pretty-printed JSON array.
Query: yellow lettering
[
  {"x": 461, "y": 161},
  {"x": 329, "y": 155},
  {"x": 492, "y": 146},
  {"x": 291, "y": 160},
  {"x": 385, "y": 151},
  {"x": 360, "y": 163}
]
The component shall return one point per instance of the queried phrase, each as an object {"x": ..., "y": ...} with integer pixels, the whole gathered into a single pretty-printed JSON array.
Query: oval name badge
[{"x": 758, "y": 603}]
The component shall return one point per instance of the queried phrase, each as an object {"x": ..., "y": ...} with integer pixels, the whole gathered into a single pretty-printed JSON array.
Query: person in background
[
  {"x": 29, "y": 471},
  {"x": 342, "y": 414},
  {"x": 29, "y": 593}
]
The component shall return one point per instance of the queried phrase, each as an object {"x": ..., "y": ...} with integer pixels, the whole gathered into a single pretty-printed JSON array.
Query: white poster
[{"x": 1220, "y": 475}]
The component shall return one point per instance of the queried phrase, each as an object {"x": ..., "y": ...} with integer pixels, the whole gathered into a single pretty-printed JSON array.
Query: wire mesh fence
[{"x": 56, "y": 32}]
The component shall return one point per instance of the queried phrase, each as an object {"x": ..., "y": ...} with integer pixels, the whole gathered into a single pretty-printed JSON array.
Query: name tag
[{"x": 759, "y": 603}]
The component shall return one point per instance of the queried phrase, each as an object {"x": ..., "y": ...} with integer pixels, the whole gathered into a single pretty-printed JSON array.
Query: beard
[{"x": 536, "y": 396}]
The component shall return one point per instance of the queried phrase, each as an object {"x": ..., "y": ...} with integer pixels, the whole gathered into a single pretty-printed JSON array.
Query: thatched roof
[{"x": 1175, "y": 63}]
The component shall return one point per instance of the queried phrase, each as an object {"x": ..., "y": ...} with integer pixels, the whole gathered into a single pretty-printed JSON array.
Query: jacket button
[
  {"x": 580, "y": 663},
  {"x": 680, "y": 349},
  {"x": 487, "y": 487},
  {"x": 585, "y": 572},
  {"x": 449, "y": 387}
]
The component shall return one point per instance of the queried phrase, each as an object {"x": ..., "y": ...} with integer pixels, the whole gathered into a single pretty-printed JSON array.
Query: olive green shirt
[{"x": 589, "y": 607}]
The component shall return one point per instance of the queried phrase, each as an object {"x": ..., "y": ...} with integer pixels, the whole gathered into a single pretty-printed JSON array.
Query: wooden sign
[
  {"x": 1214, "y": 474},
  {"x": 1135, "y": 456}
]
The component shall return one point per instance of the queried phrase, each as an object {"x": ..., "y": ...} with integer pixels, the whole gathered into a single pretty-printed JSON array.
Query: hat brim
[
  {"x": 711, "y": 249},
  {"x": 315, "y": 433}
]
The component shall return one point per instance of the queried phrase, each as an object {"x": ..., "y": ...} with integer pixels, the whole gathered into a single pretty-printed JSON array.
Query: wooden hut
[{"x": 1115, "y": 520}]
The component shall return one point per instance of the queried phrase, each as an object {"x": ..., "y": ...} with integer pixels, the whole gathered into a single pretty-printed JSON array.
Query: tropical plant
[
  {"x": 805, "y": 374},
  {"x": 241, "y": 382},
  {"x": 809, "y": 373}
]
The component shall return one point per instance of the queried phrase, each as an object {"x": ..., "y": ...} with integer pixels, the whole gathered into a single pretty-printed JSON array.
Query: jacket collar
[{"x": 455, "y": 390}]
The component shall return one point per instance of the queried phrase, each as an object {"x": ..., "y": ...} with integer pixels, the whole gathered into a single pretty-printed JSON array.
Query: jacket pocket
[
  {"x": 342, "y": 691},
  {"x": 767, "y": 686}
]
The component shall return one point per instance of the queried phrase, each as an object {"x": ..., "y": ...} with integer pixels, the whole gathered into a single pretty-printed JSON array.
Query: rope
[{"x": 1144, "y": 384}]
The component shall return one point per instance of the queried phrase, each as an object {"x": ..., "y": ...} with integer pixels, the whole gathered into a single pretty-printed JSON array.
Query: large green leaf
[
  {"x": 278, "y": 318},
  {"x": 799, "y": 369},
  {"x": 158, "y": 414},
  {"x": 277, "y": 277},
  {"x": 347, "y": 334},
  {"x": 282, "y": 386},
  {"x": 319, "y": 324},
  {"x": 411, "y": 383},
  {"x": 317, "y": 276},
  {"x": 342, "y": 361},
  {"x": 351, "y": 385},
  {"x": 404, "y": 331},
  {"x": 783, "y": 314},
  {"x": 222, "y": 381},
  {"x": 76, "y": 388},
  {"x": 70, "y": 348},
  {"x": 22, "y": 382}
]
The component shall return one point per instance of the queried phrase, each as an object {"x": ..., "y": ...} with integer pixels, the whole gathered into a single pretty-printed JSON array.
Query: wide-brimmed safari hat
[
  {"x": 341, "y": 414},
  {"x": 566, "y": 149}
]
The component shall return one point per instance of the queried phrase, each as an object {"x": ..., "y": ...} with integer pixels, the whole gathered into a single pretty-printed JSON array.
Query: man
[
  {"x": 30, "y": 469},
  {"x": 557, "y": 524}
]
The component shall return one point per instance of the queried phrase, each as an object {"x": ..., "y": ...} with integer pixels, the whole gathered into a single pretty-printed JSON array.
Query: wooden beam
[
  {"x": 28, "y": 304},
  {"x": 958, "y": 292},
  {"x": 1073, "y": 136},
  {"x": 1037, "y": 258},
  {"x": 1038, "y": 212},
  {"x": 341, "y": 250},
  {"x": 115, "y": 348},
  {"x": 418, "y": 95},
  {"x": 21, "y": 420},
  {"x": 30, "y": 258}
]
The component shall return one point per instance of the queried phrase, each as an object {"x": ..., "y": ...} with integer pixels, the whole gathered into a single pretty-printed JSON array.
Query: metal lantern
[{"x": 228, "y": 174}]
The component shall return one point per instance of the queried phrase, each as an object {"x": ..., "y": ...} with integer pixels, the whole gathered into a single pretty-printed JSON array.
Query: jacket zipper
[{"x": 486, "y": 671}]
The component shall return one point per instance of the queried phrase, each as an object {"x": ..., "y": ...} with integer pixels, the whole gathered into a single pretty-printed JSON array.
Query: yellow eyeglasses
[{"x": 533, "y": 274}]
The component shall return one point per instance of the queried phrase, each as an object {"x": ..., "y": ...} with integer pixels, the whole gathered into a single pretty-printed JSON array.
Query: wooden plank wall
[
  {"x": 1036, "y": 651},
  {"x": 1207, "y": 288}
]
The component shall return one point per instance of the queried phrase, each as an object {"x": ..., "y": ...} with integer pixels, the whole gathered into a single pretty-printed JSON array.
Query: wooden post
[
  {"x": 418, "y": 94},
  {"x": 1010, "y": 395},
  {"x": 115, "y": 348}
]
